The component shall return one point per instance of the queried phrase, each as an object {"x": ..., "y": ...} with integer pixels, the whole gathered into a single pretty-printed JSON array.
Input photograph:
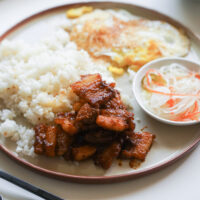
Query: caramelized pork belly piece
[
  {"x": 45, "y": 139},
  {"x": 129, "y": 134},
  {"x": 83, "y": 152},
  {"x": 100, "y": 136},
  {"x": 131, "y": 123},
  {"x": 87, "y": 114},
  {"x": 87, "y": 127},
  {"x": 115, "y": 120},
  {"x": 112, "y": 123},
  {"x": 115, "y": 103},
  {"x": 68, "y": 155},
  {"x": 40, "y": 134},
  {"x": 77, "y": 105},
  {"x": 63, "y": 142},
  {"x": 50, "y": 140},
  {"x": 123, "y": 113},
  {"x": 142, "y": 144},
  {"x": 67, "y": 122},
  {"x": 93, "y": 90},
  {"x": 105, "y": 158}
]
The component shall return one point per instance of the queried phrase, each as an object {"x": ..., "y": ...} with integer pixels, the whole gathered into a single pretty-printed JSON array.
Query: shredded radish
[{"x": 172, "y": 92}]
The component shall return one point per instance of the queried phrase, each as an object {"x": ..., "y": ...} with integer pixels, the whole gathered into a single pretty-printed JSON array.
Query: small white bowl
[{"x": 137, "y": 87}]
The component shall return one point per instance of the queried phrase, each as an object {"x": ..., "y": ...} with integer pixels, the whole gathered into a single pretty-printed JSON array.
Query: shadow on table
[{"x": 191, "y": 5}]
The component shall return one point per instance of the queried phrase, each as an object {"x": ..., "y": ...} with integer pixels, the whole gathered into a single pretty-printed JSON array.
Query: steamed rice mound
[{"x": 35, "y": 83}]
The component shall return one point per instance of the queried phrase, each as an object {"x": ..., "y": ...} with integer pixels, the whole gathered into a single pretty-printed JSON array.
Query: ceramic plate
[{"x": 171, "y": 142}]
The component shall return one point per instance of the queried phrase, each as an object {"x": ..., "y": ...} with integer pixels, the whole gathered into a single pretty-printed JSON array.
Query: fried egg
[{"x": 123, "y": 40}]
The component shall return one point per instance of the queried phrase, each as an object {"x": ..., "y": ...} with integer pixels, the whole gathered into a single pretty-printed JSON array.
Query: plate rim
[{"x": 111, "y": 178}]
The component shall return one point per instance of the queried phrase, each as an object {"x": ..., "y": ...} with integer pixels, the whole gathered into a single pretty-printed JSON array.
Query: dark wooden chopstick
[{"x": 35, "y": 190}]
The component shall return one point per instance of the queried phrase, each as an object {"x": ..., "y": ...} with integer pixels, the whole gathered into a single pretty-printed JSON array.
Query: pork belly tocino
[
  {"x": 112, "y": 123},
  {"x": 114, "y": 119},
  {"x": 40, "y": 134},
  {"x": 100, "y": 136},
  {"x": 93, "y": 90},
  {"x": 50, "y": 141},
  {"x": 67, "y": 122},
  {"x": 105, "y": 158},
  {"x": 63, "y": 142},
  {"x": 87, "y": 114},
  {"x": 141, "y": 145},
  {"x": 83, "y": 152},
  {"x": 99, "y": 127},
  {"x": 115, "y": 103}
]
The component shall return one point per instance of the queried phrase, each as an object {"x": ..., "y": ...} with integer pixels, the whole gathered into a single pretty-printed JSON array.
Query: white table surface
[{"x": 179, "y": 181}]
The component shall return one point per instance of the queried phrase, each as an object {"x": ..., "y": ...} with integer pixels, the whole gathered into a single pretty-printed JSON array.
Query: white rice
[{"x": 35, "y": 84}]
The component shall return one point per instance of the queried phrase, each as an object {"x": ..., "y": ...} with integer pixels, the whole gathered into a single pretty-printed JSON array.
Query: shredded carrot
[
  {"x": 182, "y": 77},
  {"x": 154, "y": 82},
  {"x": 147, "y": 75},
  {"x": 196, "y": 107},
  {"x": 171, "y": 94},
  {"x": 170, "y": 103},
  {"x": 187, "y": 114},
  {"x": 197, "y": 76},
  {"x": 173, "y": 105},
  {"x": 183, "y": 115}
]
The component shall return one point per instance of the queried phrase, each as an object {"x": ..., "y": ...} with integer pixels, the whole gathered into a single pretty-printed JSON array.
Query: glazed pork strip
[
  {"x": 100, "y": 136},
  {"x": 87, "y": 114},
  {"x": 105, "y": 158},
  {"x": 83, "y": 152},
  {"x": 112, "y": 123},
  {"x": 40, "y": 134},
  {"x": 45, "y": 139},
  {"x": 50, "y": 141},
  {"x": 114, "y": 119},
  {"x": 142, "y": 144},
  {"x": 78, "y": 104},
  {"x": 93, "y": 90},
  {"x": 67, "y": 121},
  {"x": 63, "y": 142},
  {"x": 115, "y": 103}
]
